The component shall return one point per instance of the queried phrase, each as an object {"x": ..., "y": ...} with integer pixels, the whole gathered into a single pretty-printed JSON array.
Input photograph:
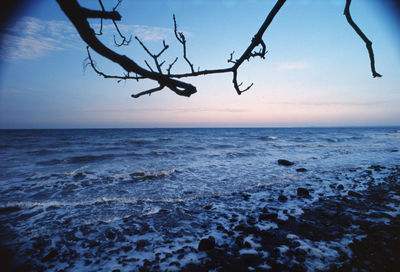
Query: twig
[
  {"x": 101, "y": 19},
  {"x": 181, "y": 38},
  {"x": 149, "y": 92},
  {"x": 91, "y": 62},
  {"x": 154, "y": 56}
]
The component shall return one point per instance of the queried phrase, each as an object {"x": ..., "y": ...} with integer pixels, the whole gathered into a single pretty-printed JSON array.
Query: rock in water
[
  {"x": 303, "y": 192},
  {"x": 282, "y": 198},
  {"x": 354, "y": 194},
  {"x": 207, "y": 243},
  {"x": 285, "y": 162},
  {"x": 301, "y": 170}
]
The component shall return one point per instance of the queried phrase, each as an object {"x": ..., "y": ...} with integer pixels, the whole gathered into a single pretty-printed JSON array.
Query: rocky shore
[
  {"x": 352, "y": 225},
  {"x": 299, "y": 243}
]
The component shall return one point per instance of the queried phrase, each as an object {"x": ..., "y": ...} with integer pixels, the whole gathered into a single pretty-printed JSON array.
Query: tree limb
[
  {"x": 166, "y": 79},
  {"x": 78, "y": 18},
  {"x": 181, "y": 38},
  {"x": 368, "y": 43}
]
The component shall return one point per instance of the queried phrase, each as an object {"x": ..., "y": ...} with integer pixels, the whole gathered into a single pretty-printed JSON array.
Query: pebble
[
  {"x": 285, "y": 162},
  {"x": 206, "y": 243}
]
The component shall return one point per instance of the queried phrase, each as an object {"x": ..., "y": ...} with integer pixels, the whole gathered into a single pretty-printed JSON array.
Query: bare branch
[
  {"x": 91, "y": 62},
  {"x": 257, "y": 40},
  {"x": 257, "y": 48},
  {"x": 116, "y": 6},
  {"x": 101, "y": 19},
  {"x": 155, "y": 57},
  {"x": 72, "y": 10},
  {"x": 162, "y": 50},
  {"x": 148, "y": 66},
  {"x": 170, "y": 66},
  {"x": 230, "y": 60},
  {"x": 144, "y": 47},
  {"x": 149, "y": 92},
  {"x": 88, "y": 13},
  {"x": 237, "y": 86},
  {"x": 368, "y": 43},
  {"x": 124, "y": 41},
  {"x": 181, "y": 38}
]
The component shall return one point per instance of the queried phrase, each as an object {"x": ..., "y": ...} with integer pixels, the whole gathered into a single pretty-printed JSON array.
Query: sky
[{"x": 316, "y": 71}]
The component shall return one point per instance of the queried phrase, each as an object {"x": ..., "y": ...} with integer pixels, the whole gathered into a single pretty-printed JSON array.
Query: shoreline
[
  {"x": 370, "y": 214},
  {"x": 350, "y": 221}
]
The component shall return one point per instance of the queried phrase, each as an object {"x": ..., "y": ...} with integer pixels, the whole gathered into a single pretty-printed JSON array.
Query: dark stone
[
  {"x": 70, "y": 236},
  {"x": 92, "y": 244},
  {"x": 354, "y": 194},
  {"x": 208, "y": 207},
  {"x": 126, "y": 248},
  {"x": 301, "y": 170},
  {"x": 142, "y": 244},
  {"x": 250, "y": 259},
  {"x": 239, "y": 241},
  {"x": 285, "y": 162},
  {"x": 207, "y": 243},
  {"x": 245, "y": 196},
  {"x": 302, "y": 192},
  {"x": 52, "y": 254},
  {"x": 110, "y": 234},
  {"x": 282, "y": 198},
  {"x": 251, "y": 220},
  {"x": 340, "y": 187},
  {"x": 79, "y": 176},
  {"x": 300, "y": 251},
  {"x": 9, "y": 209},
  {"x": 268, "y": 216},
  {"x": 41, "y": 243}
]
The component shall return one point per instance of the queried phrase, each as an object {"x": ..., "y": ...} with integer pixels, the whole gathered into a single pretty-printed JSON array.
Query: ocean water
[{"x": 152, "y": 184}]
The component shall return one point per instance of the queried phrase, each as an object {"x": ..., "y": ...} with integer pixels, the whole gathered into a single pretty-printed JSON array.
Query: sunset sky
[{"x": 316, "y": 72}]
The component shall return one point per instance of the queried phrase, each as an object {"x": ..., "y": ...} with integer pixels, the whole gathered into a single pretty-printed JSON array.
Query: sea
[{"x": 99, "y": 199}]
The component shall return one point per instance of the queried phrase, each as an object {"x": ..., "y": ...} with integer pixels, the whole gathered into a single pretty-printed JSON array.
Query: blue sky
[{"x": 316, "y": 72}]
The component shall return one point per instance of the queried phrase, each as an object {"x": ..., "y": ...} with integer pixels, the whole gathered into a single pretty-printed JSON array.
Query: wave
[
  {"x": 41, "y": 152},
  {"x": 76, "y": 159},
  {"x": 147, "y": 175},
  {"x": 222, "y": 146},
  {"x": 268, "y": 138},
  {"x": 135, "y": 142},
  {"x": 332, "y": 140},
  {"x": 162, "y": 153},
  {"x": 240, "y": 154},
  {"x": 20, "y": 205}
]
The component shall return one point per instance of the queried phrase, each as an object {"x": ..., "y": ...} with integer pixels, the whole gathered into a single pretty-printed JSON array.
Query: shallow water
[{"x": 153, "y": 184}]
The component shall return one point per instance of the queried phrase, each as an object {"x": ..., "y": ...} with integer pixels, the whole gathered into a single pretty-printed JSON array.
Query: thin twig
[
  {"x": 91, "y": 62},
  {"x": 170, "y": 66},
  {"x": 101, "y": 19},
  {"x": 181, "y": 38}
]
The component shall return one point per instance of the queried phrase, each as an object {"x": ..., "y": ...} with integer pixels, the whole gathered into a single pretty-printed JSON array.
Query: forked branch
[{"x": 78, "y": 17}]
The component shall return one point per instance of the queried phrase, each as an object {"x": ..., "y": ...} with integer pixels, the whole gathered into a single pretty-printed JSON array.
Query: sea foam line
[{"x": 96, "y": 201}]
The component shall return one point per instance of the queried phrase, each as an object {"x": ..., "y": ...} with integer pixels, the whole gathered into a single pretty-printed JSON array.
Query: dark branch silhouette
[
  {"x": 368, "y": 43},
  {"x": 163, "y": 76}
]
